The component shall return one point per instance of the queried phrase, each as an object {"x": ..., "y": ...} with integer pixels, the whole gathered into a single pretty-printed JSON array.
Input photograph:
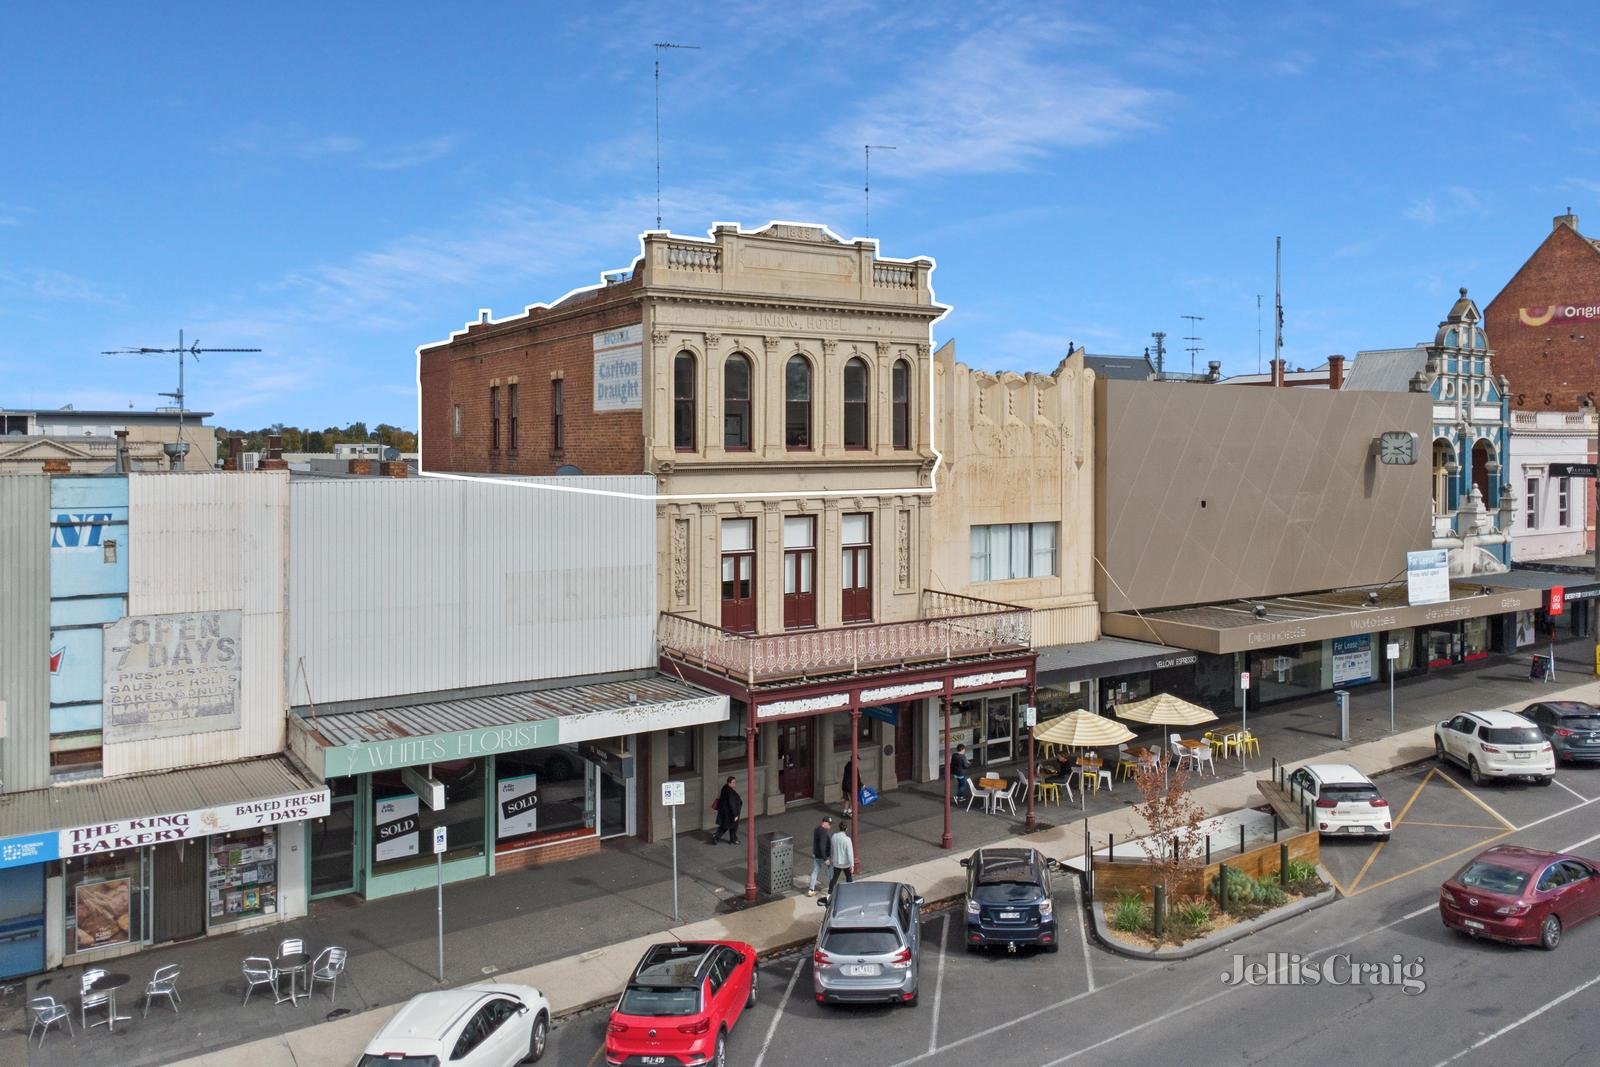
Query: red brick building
[{"x": 1545, "y": 324}]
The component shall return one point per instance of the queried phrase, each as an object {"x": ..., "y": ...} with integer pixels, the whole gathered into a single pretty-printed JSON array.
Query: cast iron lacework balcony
[{"x": 949, "y": 628}]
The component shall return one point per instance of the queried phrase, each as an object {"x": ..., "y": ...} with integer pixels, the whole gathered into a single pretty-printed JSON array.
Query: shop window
[
  {"x": 543, "y": 795},
  {"x": 1057, "y": 700},
  {"x": 841, "y": 732},
  {"x": 1475, "y": 639},
  {"x": 403, "y": 827},
  {"x": 242, "y": 874},
  {"x": 1407, "y": 640},
  {"x": 681, "y": 751},
  {"x": 1288, "y": 672},
  {"x": 105, "y": 899},
  {"x": 731, "y": 735},
  {"x": 1016, "y": 550},
  {"x": 1533, "y": 503},
  {"x": 333, "y": 841}
]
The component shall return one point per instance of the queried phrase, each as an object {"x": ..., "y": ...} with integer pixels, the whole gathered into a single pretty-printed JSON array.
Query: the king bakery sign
[{"x": 187, "y": 825}]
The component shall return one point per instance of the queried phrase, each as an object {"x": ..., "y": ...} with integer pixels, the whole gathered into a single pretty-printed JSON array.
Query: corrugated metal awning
[
  {"x": 142, "y": 796},
  {"x": 1106, "y": 657}
]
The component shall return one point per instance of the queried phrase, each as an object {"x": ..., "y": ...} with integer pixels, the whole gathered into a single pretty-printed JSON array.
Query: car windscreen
[
  {"x": 1348, "y": 793},
  {"x": 1004, "y": 892},
  {"x": 643, "y": 1000},
  {"x": 861, "y": 942},
  {"x": 1512, "y": 735},
  {"x": 1493, "y": 878},
  {"x": 1582, "y": 720},
  {"x": 371, "y": 1060}
]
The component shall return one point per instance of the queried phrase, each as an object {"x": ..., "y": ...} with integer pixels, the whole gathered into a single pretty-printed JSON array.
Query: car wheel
[
  {"x": 1474, "y": 771},
  {"x": 1545, "y": 781},
  {"x": 1053, "y": 946},
  {"x": 721, "y": 1056},
  {"x": 536, "y": 1042},
  {"x": 1549, "y": 933},
  {"x": 750, "y": 1001},
  {"x": 1438, "y": 750}
]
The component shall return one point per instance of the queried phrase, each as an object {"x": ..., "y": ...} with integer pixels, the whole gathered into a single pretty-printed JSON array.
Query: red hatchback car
[
  {"x": 1522, "y": 895},
  {"x": 680, "y": 1005}
]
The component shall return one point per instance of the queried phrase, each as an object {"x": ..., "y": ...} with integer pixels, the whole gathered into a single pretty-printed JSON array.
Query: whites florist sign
[
  {"x": 188, "y": 825},
  {"x": 618, "y": 379},
  {"x": 170, "y": 675}
]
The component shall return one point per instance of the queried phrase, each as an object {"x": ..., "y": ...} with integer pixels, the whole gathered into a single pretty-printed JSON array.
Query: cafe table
[
  {"x": 110, "y": 983},
  {"x": 990, "y": 788},
  {"x": 293, "y": 964}
]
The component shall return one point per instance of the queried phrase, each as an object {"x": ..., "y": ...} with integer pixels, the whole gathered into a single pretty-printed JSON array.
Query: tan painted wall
[
  {"x": 1018, "y": 448},
  {"x": 1214, "y": 492}
]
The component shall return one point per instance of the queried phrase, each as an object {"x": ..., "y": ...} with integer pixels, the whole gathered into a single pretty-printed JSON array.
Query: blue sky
[{"x": 336, "y": 186}]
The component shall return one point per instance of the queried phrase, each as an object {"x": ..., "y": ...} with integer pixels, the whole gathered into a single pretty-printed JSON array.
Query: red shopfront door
[{"x": 795, "y": 748}]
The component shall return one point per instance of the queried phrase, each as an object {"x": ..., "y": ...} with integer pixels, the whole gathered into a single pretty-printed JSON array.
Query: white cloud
[
  {"x": 293, "y": 142},
  {"x": 1424, "y": 211},
  {"x": 48, "y": 284}
]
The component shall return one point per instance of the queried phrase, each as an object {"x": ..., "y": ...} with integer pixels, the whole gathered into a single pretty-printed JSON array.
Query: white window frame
[
  {"x": 1531, "y": 502},
  {"x": 1563, "y": 502},
  {"x": 1003, "y": 552}
]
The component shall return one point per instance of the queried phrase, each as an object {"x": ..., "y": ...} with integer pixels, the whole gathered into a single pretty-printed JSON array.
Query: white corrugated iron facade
[
  {"x": 214, "y": 541},
  {"x": 25, "y": 630},
  {"x": 422, "y": 585}
]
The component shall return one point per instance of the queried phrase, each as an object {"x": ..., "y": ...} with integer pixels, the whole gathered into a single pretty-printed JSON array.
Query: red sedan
[
  {"x": 680, "y": 1005},
  {"x": 1522, "y": 895}
]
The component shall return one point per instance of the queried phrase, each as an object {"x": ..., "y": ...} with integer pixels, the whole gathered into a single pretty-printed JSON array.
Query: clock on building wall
[{"x": 1397, "y": 447}]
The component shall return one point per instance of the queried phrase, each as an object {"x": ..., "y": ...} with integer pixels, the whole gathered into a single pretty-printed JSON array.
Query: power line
[
  {"x": 659, "y": 46},
  {"x": 178, "y": 449}
]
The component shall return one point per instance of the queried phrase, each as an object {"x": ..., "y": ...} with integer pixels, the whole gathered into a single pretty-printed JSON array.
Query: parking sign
[
  {"x": 672, "y": 794},
  {"x": 439, "y": 836}
]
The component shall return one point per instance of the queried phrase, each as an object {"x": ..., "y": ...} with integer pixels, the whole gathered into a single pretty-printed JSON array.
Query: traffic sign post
[
  {"x": 672, "y": 798},
  {"x": 1393, "y": 653},
  {"x": 1244, "y": 690},
  {"x": 440, "y": 837}
]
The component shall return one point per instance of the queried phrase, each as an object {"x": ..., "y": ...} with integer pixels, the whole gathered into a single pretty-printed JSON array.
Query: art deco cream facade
[{"x": 1018, "y": 448}]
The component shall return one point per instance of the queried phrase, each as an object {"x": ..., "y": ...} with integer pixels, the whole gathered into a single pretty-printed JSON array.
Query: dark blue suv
[
  {"x": 1572, "y": 728},
  {"x": 1008, "y": 899}
]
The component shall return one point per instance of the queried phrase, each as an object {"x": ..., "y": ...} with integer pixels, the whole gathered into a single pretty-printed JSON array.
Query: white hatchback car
[
  {"x": 1346, "y": 801},
  {"x": 1496, "y": 744},
  {"x": 478, "y": 1026}
]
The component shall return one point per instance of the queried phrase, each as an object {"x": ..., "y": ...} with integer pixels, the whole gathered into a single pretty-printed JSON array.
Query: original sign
[
  {"x": 186, "y": 825},
  {"x": 171, "y": 675},
  {"x": 618, "y": 357}
]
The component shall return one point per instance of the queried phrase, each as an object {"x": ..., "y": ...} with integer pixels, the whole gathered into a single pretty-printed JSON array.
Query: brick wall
[
  {"x": 543, "y": 346},
  {"x": 543, "y": 857},
  {"x": 1547, "y": 366}
]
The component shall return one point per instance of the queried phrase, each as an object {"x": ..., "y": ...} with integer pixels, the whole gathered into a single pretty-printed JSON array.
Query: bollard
[
  {"x": 1222, "y": 885},
  {"x": 1241, "y": 839},
  {"x": 1283, "y": 865},
  {"x": 1308, "y": 820},
  {"x": 1088, "y": 863},
  {"x": 1111, "y": 846},
  {"x": 1274, "y": 768},
  {"x": 1159, "y": 913},
  {"x": 1208, "y": 850},
  {"x": 1275, "y": 822}
]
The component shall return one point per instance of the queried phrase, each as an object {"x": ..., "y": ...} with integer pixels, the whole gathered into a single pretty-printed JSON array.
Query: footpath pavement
[{"x": 576, "y": 930}]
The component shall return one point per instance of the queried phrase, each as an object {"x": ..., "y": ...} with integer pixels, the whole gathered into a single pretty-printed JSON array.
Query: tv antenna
[
  {"x": 1161, "y": 353},
  {"x": 176, "y": 450},
  {"x": 659, "y": 46},
  {"x": 1258, "y": 333},
  {"x": 1277, "y": 333},
  {"x": 866, "y": 188},
  {"x": 1193, "y": 349}
]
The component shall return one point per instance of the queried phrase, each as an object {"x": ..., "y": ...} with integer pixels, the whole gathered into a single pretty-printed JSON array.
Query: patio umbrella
[
  {"x": 1082, "y": 729},
  {"x": 1165, "y": 710}
]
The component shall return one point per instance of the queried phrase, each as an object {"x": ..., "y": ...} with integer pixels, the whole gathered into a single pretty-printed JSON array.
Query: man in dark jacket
[
  {"x": 819, "y": 851},
  {"x": 728, "y": 804},
  {"x": 958, "y": 773}
]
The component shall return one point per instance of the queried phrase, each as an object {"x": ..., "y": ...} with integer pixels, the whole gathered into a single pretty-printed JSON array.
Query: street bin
[
  {"x": 774, "y": 863},
  {"x": 1341, "y": 697}
]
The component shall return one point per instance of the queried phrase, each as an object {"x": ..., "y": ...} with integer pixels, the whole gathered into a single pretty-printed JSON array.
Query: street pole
[
  {"x": 853, "y": 801},
  {"x": 750, "y": 802},
  {"x": 440, "y": 835},
  {"x": 1594, "y": 491},
  {"x": 1033, "y": 766},
  {"x": 1391, "y": 694},
  {"x": 675, "y": 864},
  {"x": 947, "y": 841}
]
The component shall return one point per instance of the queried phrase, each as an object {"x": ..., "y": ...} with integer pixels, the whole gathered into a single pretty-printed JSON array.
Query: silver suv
[{"x": 870, "y": 944}]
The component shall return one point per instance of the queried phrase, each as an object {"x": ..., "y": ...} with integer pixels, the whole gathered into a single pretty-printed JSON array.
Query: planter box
[{"x": 1114, "y": 878}]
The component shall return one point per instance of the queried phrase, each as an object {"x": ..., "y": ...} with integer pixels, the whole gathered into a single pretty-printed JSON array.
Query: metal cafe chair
[
  {"x": 258, "y": 970},
  {"x": 87, "y": 998},
  {"x": 46, "y": 1013},
  {"x": 327, "y": 967},
  {"x": 164, "y": 983}
]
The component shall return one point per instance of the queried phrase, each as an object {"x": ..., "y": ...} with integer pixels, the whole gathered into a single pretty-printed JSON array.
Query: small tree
[{"x": 1172, "y": 814}]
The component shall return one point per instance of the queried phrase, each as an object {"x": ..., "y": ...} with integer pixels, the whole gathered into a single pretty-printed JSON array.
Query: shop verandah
[{"x": 959, "y": 648}]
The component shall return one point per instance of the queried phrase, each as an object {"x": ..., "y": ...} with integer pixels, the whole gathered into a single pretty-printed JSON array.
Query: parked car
[
  {"x": 869, "y": 947},
  {"x": 1495, "y": 744},
  {"x": 1521, "y": 895},
  {"x": 1345, "y": 800},
  {"x": 478, "y": 1026},
  {"x": 1008, "y": 899},
  {"x": 1571, "y": 726},
  {"x": 681, "y": 1003}
]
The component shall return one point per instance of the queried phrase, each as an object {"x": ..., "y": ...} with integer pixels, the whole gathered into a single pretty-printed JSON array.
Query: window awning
[
  {"x": 1105, "y": 658},
  {"x": 1238, "y": 626},
  {"x": 335, "y": 744}
]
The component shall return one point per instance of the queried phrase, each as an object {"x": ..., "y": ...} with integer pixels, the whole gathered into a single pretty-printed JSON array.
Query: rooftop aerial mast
[{"x": 179, "y": 448}]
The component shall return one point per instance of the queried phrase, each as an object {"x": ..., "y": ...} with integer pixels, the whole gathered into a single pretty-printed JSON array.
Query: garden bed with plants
[{"x": 1130, "y": 918}]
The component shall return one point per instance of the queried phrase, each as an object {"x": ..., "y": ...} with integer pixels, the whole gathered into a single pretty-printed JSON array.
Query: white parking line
[
  {"x": 1556, "y": 814},
  {"x": 1532, "y": 1015},
  {"x": 1579, "y": 844},
  {"x": 1569, "y": 789},
  {"x": 938, "y": 982},
  {"x": 772, "y": 1027},
  {"x": 1083, "y": 931}
]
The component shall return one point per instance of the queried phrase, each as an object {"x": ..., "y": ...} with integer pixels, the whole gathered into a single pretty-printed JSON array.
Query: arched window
[
  {"x": 797, "y": 404},
  {"x": 855, "y": 404},
  {"x": 683, "y": 392},
  {"x": 900, "y": 400},
  {"x": 736, "y": 403}
]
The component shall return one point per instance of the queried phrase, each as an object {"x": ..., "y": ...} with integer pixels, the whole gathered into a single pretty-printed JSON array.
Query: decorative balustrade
[
  {"x": 894, "y": 276},
  {"x": 698, "y": 258},
  {"x": 952, "y": 628}
]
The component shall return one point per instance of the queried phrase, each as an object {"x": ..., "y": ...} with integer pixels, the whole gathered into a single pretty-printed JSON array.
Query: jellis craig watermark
[{"x": 1292, "y": 969}]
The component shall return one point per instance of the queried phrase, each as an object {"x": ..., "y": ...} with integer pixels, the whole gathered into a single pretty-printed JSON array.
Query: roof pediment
[{"x": 40, "y": 449}]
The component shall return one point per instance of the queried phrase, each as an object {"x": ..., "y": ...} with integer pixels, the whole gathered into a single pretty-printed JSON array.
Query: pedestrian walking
[
  {"x": 846, "y": 786},
  {"x": 819, "y": 851},
  {"x": 842, "y": 854},
  {"x": 728, "y": 805},
  {"x": 958, "y": 772}
]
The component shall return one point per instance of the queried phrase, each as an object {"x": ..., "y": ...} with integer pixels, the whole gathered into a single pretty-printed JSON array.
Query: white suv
[
  {"x": 1346, "y": 800},
  {"x": 478, "y": 1026},
  {"x": 1495, "y": 744}
]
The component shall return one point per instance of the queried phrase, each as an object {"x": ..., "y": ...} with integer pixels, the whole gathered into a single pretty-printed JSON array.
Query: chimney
[
  {"x": 1277, "y": 372},
  {"x": 235, "y": 453},
  {"x": 362, "y": 467},
  {"x": 273, "y": 460},
  {"x": 122, "y": 451},
  {"x": 396, "y": 468},
  {"x": 1335, "y": 372},
  {"x": 1569, "y": 219}
]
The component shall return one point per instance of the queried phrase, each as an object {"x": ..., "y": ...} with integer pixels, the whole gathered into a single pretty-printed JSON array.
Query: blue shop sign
[{"x": 29, "y": 849}]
